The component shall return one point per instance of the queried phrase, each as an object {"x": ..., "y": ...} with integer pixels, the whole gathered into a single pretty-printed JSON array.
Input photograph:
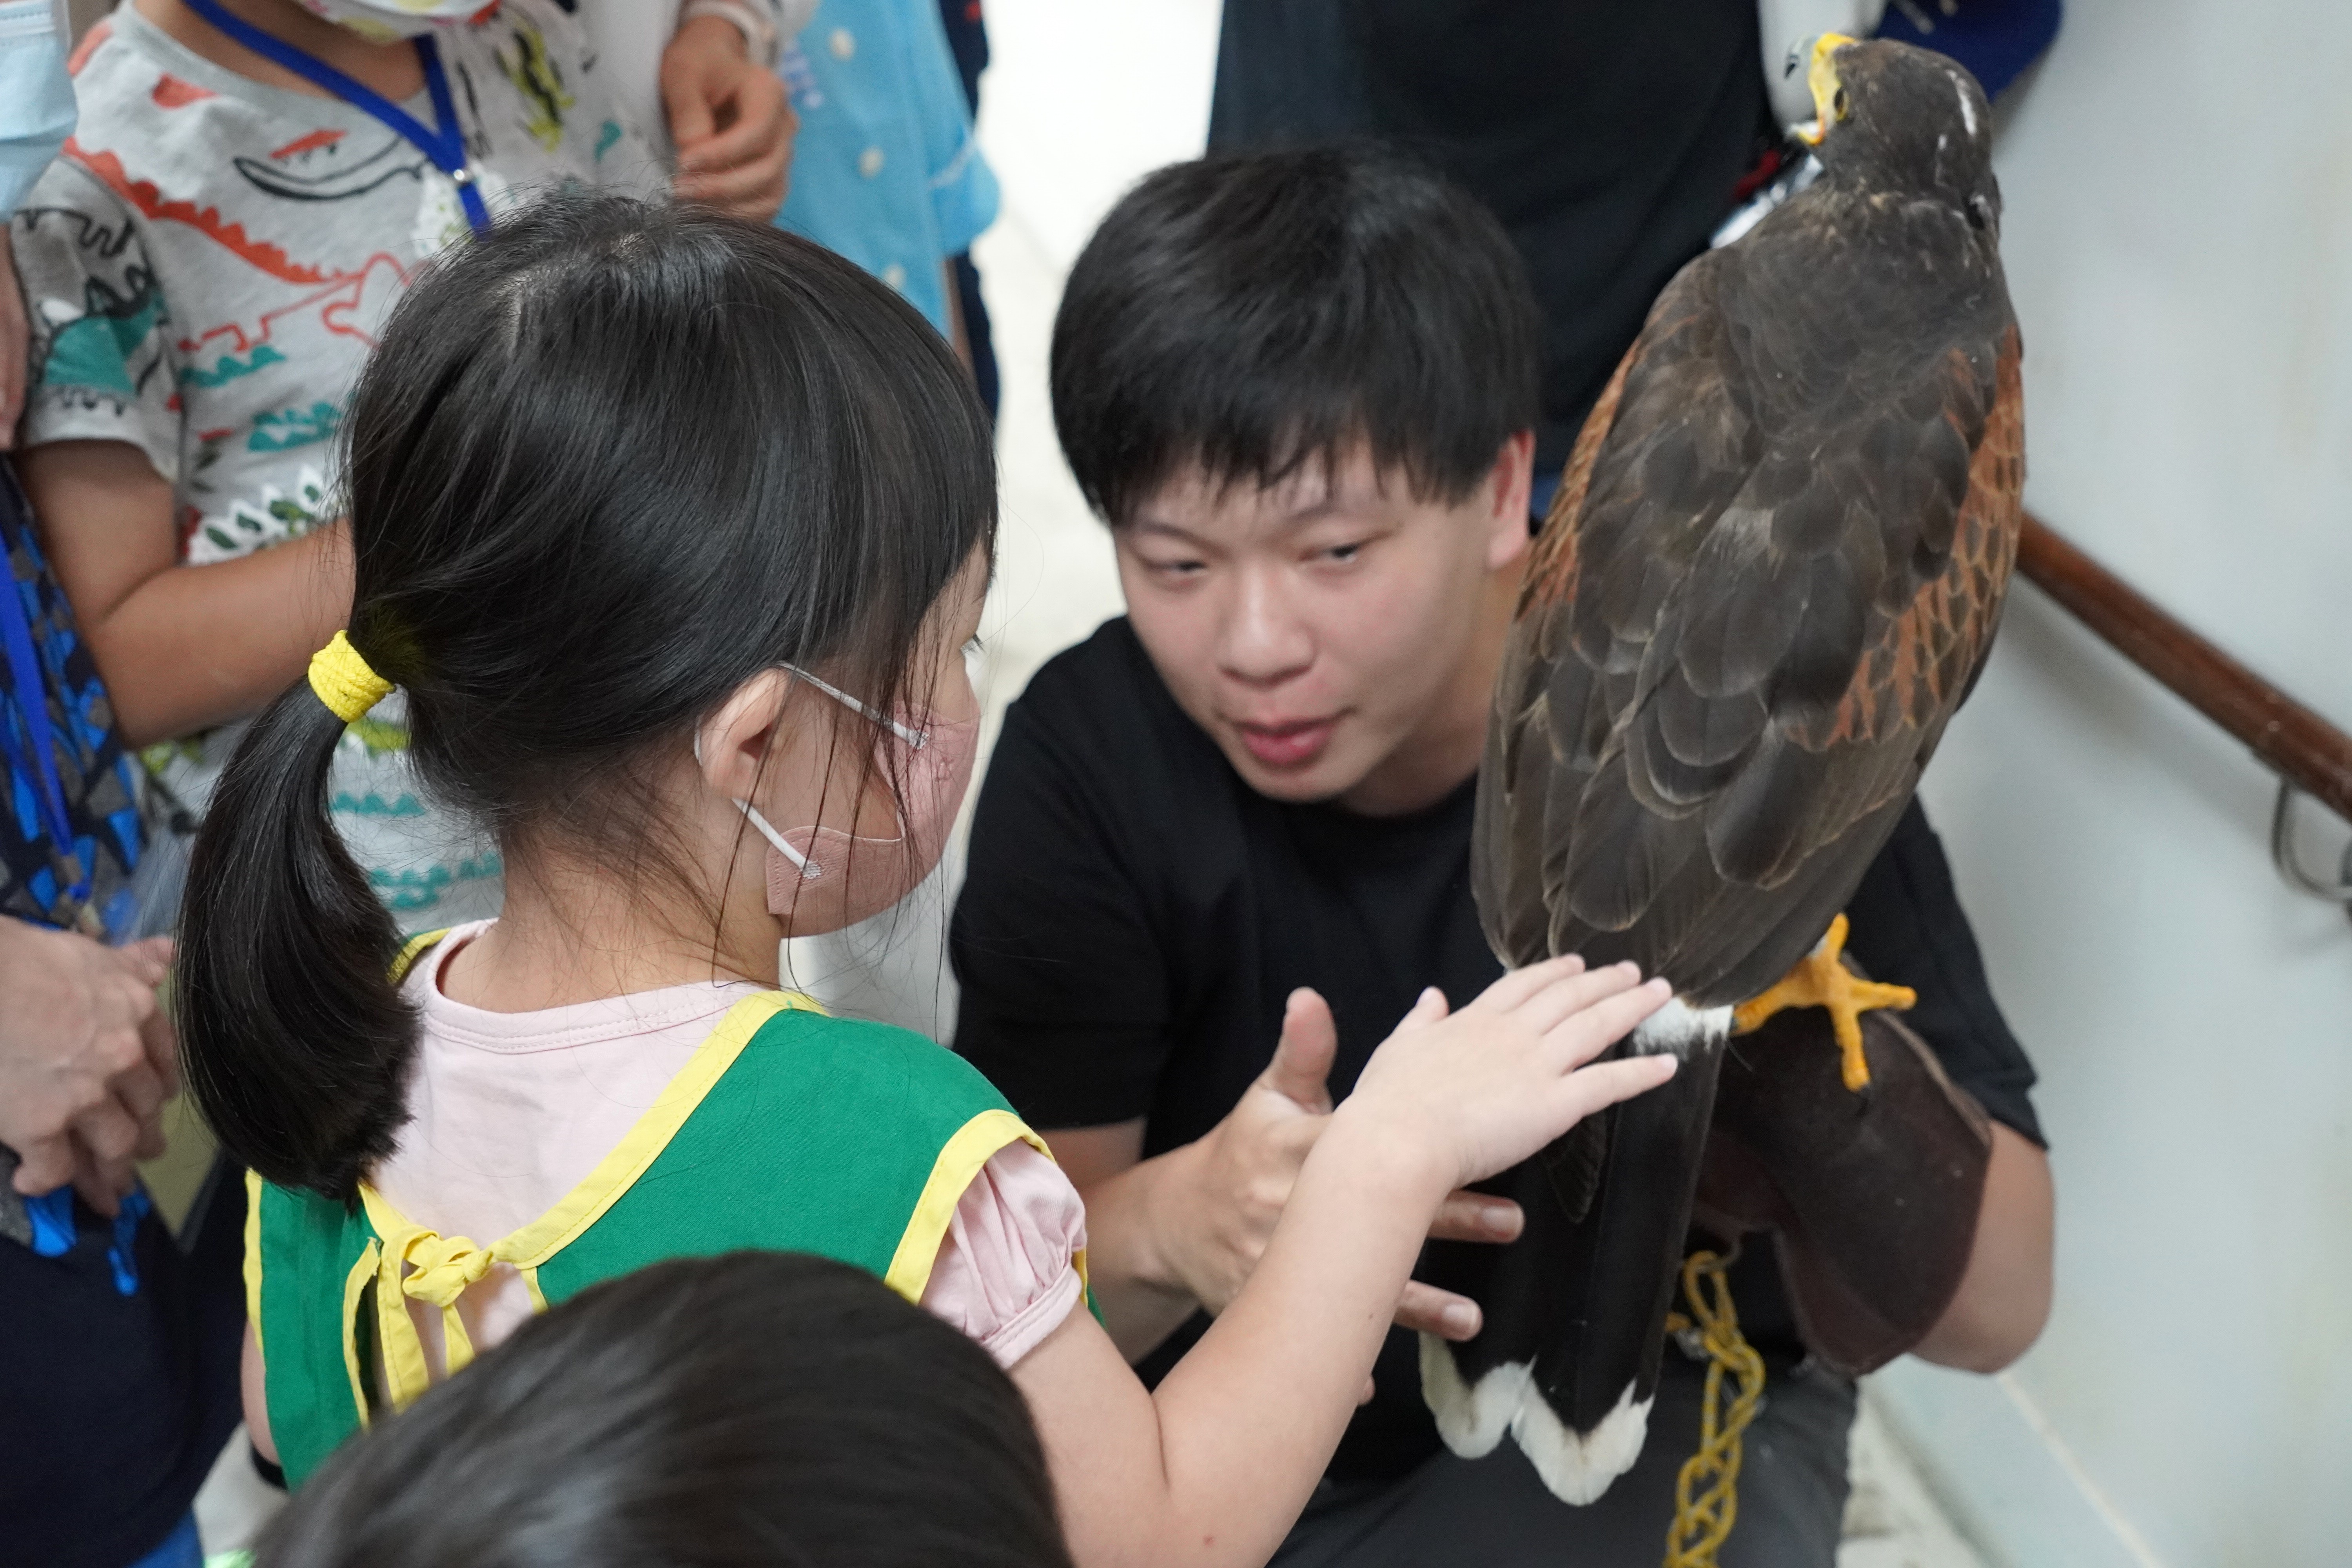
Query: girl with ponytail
[{"x": 671, "y": 532}]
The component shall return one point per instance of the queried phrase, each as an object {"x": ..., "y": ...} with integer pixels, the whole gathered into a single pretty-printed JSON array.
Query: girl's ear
[
  {"x": 733, "y": 745},
  {"x": 1508, "y": 534}
]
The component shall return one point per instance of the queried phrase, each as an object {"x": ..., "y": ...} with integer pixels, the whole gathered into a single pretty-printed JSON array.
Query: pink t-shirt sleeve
[{"x": 1007, "y": 1272}]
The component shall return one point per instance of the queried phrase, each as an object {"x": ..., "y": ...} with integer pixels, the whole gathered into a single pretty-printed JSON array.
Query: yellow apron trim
[
  {"x": 423, "y": 1265},
  {"x": 414, "y": 949},
  {"x": 537, "y": 1296},
  {"x": 355, "y": 1285},
  {"x": 253, "y": 1254},
  {"x": 975, "y": 1144},
  {"x": 634, "y": 1153}
]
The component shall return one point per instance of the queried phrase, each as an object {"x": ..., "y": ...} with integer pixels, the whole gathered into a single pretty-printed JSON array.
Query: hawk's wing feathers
[{"x": 1741, "y": 636}]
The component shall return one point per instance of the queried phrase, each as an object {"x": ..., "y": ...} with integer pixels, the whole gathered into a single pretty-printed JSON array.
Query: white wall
[{"x": 2179, "y": 241}]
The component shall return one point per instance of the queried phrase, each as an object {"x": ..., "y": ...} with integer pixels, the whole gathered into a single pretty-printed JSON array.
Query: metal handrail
[
  {"x": 2290, "y": 864},
  {"x": 2310, "y": 756}
]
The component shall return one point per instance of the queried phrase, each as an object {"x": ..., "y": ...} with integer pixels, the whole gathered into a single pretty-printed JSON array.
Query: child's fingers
[
  {"x": 692, "y": 115},
  {"x": 108, "y": 1131},
  {"x": 149, "y": 959},
  {"x": 163, "y": 1047},
  {"x": 1521, "y": 983},
  {"x": 734, "y": 165},
  {"x": 43, "y": 1164},
  {"x": 102, "y": 1184},
  {"x": 1428, "y": 1009},
  {"x": 1603, "y": 1084},
  {"x": 1571, "y": 994},
  {"x": 1584, "y": 1034},
  {"x": 760, "y": 137}
]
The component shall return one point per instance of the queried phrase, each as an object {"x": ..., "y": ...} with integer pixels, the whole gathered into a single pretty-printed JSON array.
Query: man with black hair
[{"x": 1224, "y": 844}]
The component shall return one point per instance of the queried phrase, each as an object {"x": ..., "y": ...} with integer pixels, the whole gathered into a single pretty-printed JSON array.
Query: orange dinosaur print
[
  {"x": 207, "y": 221},
  {"x": 170, "y": 92}
]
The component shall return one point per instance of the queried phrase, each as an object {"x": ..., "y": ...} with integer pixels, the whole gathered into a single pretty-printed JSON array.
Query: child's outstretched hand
[
  {"x": 1480, "y": 1090},
  {"x": 1226, "y": 1451}
]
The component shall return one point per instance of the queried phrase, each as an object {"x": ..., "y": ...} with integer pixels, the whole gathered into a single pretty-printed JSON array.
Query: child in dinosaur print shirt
[{"x": 206, "y": 267}]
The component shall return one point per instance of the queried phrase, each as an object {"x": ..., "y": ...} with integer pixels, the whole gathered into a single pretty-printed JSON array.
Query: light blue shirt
[
  {"x": 884, "y": 169},
  {"x": 36, "y": 100}
]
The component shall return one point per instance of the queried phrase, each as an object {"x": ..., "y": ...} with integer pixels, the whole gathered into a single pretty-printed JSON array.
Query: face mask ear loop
[
  {"x": 916, "y": 738},
  {"x": 767, "y": 829},
  {"x": 808, "y": 867}
]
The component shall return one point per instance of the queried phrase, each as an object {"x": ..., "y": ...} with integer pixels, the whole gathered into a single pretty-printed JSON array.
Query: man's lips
[{"x": 1290, "y": 745}]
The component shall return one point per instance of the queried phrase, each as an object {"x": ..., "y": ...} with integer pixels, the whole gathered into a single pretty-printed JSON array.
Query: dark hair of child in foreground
[{"x": 755, "y": 1408}]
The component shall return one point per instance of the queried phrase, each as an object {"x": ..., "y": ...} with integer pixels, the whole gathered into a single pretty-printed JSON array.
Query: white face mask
[{"x": 390, "y": 21}]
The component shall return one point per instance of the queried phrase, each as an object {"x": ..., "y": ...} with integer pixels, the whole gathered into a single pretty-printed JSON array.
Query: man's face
[{"x": 1322, "y": 630}]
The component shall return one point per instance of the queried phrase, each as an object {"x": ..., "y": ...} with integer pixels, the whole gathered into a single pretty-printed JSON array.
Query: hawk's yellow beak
[{"x": 1829, "y": 97}]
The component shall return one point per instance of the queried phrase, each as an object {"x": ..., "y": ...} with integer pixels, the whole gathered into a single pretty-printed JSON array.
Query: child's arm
[
  {"x": 253, "y": 1386},
  {"x": 181, "y": 647},
  {"x": 14, "y": 337},
  {"x": 1214, "y": 1467}
]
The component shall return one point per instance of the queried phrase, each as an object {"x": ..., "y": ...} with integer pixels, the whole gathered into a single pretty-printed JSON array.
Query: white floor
[{"x": 1892, "y": 1521}]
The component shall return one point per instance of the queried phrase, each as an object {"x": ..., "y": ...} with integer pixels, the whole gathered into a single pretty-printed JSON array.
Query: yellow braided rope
[
  {"x": 1706, "y": 1493},
  {"x": 344, "y": 682}
]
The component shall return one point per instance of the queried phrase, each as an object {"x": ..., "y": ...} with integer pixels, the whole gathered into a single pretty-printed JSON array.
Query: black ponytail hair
[
  {"x": 745, "y": 1411},
  {"x": 606, "y": 464}
]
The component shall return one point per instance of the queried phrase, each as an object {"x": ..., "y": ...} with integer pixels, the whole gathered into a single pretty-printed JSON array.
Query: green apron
[{"x": 787, "y": 1131}]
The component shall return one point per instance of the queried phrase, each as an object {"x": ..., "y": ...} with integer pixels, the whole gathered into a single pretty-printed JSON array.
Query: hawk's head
[{"x": 1905, "y": 121}]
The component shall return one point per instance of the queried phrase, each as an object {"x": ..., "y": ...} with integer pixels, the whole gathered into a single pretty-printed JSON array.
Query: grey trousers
[{"x": 1495, "y": 1513}]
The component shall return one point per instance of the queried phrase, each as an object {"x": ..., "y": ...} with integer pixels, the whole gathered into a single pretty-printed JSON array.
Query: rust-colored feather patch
[
  {"x": 1916, "y": 670},
  {"x": 1551, "y": 574}
]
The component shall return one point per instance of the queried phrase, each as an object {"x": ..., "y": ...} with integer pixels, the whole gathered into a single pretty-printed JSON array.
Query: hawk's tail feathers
[{"x": 1577, "y": 1467}]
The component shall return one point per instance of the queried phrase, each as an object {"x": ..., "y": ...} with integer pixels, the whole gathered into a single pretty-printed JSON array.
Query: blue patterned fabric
[
  {"x": 886, "y": 170},
  {"x": 82, "y": 883}
]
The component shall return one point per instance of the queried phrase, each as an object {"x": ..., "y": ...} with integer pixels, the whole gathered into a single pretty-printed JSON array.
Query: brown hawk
[{"x": 1771, "y": 574}]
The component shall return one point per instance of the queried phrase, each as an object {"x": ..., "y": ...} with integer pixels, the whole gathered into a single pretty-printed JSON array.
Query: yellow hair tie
[{"x": 343, "y": 681}]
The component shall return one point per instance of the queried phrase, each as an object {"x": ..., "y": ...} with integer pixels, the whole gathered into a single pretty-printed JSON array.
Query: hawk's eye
[{"x": 1838, "y": 104}]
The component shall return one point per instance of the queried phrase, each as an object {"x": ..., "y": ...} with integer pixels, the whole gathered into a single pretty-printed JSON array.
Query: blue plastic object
[{"x": 1996, "y": 39}]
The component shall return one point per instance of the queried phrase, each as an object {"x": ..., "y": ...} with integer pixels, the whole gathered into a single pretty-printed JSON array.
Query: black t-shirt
[
  {"x": 1608, "y": 138},
  {"x": 1135, "y": 915}
]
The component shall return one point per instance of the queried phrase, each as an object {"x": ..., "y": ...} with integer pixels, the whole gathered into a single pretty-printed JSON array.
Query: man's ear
[
  {"x": 733, "y": 744},
  {"x": 1507, "y": 488}
]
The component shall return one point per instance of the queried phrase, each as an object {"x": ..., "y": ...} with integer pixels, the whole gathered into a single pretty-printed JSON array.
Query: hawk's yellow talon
[{"x": 1820, "y": 980}]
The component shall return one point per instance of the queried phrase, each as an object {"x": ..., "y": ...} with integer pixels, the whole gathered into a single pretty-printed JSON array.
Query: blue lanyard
[
  {"x": 32, "y": 694},
  {"x": 444, "y": 143}
]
